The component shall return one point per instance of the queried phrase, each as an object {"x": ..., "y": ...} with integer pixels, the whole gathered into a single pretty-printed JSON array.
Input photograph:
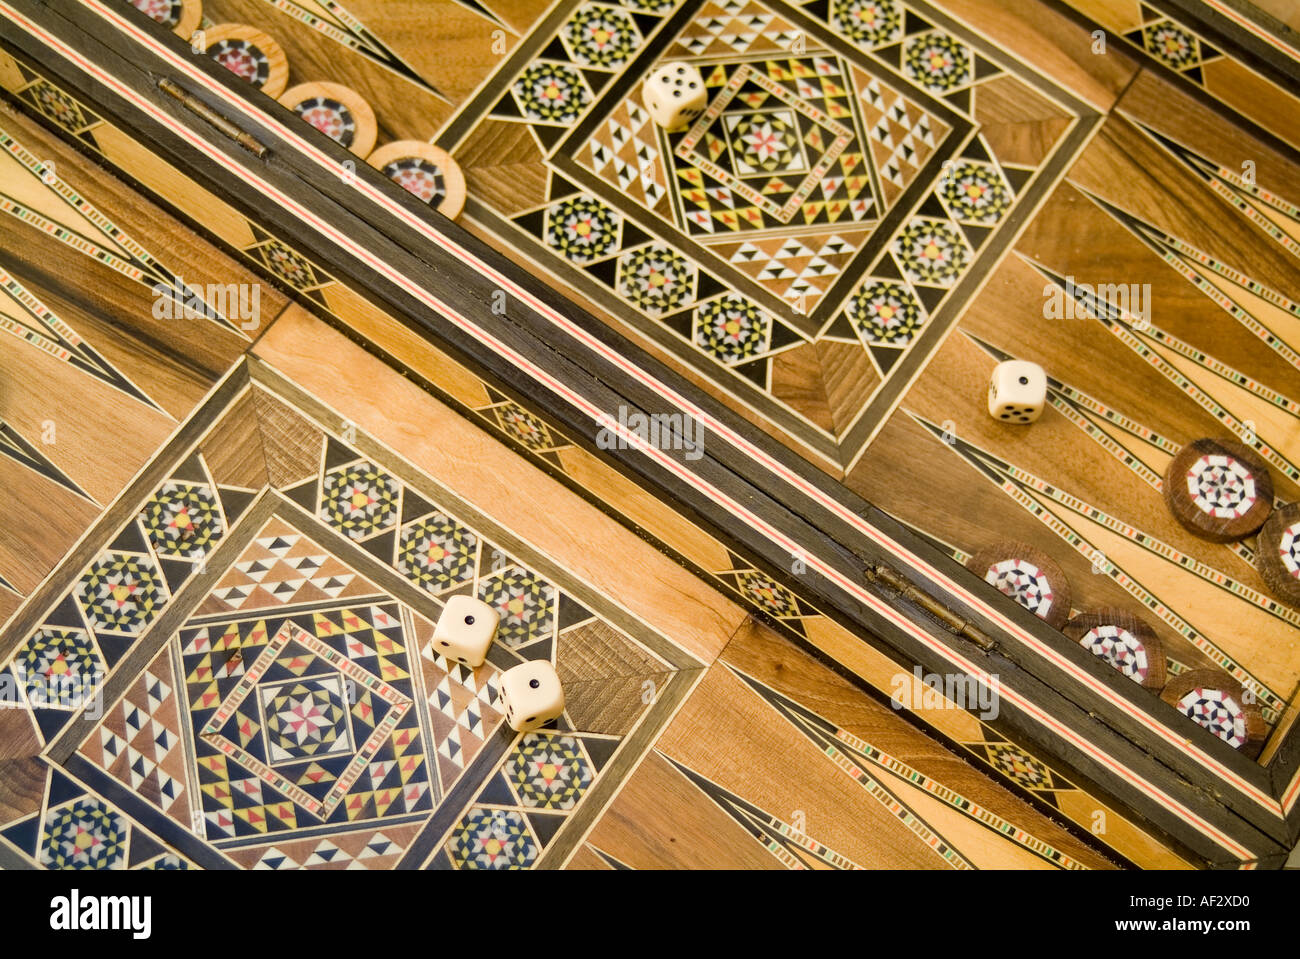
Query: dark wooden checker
[
  {"x": 1225, "y": 522},
  {"x": 1275, "y": 553},
  {"x": 1214, "y": 683},
  {"x": 1081, "y": 627}
]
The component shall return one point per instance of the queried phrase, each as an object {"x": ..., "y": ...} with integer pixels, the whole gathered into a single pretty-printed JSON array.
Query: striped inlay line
[
  {"x": 760, "y": 456},
  {"x": 1065, "y": 400},
  {"x": 1252, "y": 27},
  {"x": 948, "y": 796}
]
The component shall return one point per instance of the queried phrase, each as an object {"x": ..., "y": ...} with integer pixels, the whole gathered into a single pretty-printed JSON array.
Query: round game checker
[
  {"x": 1277, "y": 554},
  {"x": 1124, "y": 641},
  {"x": 1216, "y": 701},
  {"x": 249, "y": 54},
  {"x": 1219, "y": 489},
  {"x": 424, "y": 170},
  {"x": 337, "y": 111},
  {"x": 182, "y": 16},
  {"x": 1027, "y": 575}
]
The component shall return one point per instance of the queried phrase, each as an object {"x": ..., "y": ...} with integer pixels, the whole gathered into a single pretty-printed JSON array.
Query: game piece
[
  {"x": 1277, "y": 554},
  {"x": 1213, "y": 699},
  {"x": 1219, "y": 489},
  {"x": 465, "y": 630},
  {"x": 1123, "y": 640},
  {"x": 250, "y": 54},
  {"x": 182, "y": 16},
  {"x": 532, "y": 695},
  {"x": 674, "y": 94},
  {"x": 425, "y": 171},
  {"x": 1027, "y": 575},
  {"x": 1017, "y": 391},
  {"x": 340, "y": 113}
]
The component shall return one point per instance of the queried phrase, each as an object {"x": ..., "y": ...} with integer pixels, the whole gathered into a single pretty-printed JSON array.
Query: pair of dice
[
  {"x": 531, "y": 691},
  {"x": 1017, "y": 391}
]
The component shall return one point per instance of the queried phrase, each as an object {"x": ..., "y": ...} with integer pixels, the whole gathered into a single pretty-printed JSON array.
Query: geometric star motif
[
  {"x": 521, "y": 425},
  {"x": 765, "y": 142},
  {"x": 359, "y": 500},
  {"x": 1216, "y": 711},
  {"x": 242, "y": 59},
  {"x": 330, "y": 117},
  {"x": 548, "y": 771},
  {"x": 1171, "y": 45},
  {"x": 974, "y": 192},
  {"x": 59, "y": 107},
  {"x": 492, "y": 839},
  {"x": 305, "y": 719},
  {"x": 85, "y": 834},
  {"x": 601, "y": 37},
  {"x": 59, "y": 668},
  {"x": 932, "y": 252},
  {"x": 656, "y": 279},
  {"x": 182, "y": 519},
  {"x": 1120, "y": 648},
  {"x": 582, "y": 228},
  {"x": 1020, "y": 766},
  {"x": 885, "y": 312},
  {"x": 1025, "y": 583},
  {"x": 1221, "y": 486},
  {"x": 526, "y": 604},
  {"x": 419, "y": 177},
  {"x": 868, "y": 23},
  {"x": 937, "y": 62},
  {"x": 436, "y": 553},
  {"x": 551, "y": 93},
  {"x": 288, "y": 265},
  {"x": 770, "y": 596},
  {"x": 121, "y": 593},
  {"x": 732, "y": 329}
]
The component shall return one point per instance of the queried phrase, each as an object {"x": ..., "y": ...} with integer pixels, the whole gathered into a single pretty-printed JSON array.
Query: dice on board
[
  {"x": 674, "y": 94},
  {"x": 465, "y": 630},
  {"x": 1017, "y": 391},
  {"x": 532, "y": 695}
]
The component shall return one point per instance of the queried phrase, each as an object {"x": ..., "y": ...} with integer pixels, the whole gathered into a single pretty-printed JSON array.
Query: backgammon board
[{"x": 701, "y": 410}]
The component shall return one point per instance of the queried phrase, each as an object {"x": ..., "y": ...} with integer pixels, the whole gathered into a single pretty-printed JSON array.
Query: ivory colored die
[
  {"x": 465, "y": 630},
  {"x": 1017, "y": 391},
  {"x": 674, "y": 94},
  {"x": 532, "y": 694}
]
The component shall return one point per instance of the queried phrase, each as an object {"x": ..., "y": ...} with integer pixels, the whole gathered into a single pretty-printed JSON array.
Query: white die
[
  {"x": 465, "y": 630},
  {"x": 1017, "y": 392},
  {"x": 674, "y": 94},
  {"x": 532, "y": 695}
]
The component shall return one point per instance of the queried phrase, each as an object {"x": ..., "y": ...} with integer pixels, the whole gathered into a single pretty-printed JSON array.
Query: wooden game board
[{"x": 848, "y": 466}]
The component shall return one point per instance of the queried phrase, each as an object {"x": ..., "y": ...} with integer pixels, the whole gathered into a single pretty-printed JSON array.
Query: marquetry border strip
[{"x": 830, "y": 738}]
